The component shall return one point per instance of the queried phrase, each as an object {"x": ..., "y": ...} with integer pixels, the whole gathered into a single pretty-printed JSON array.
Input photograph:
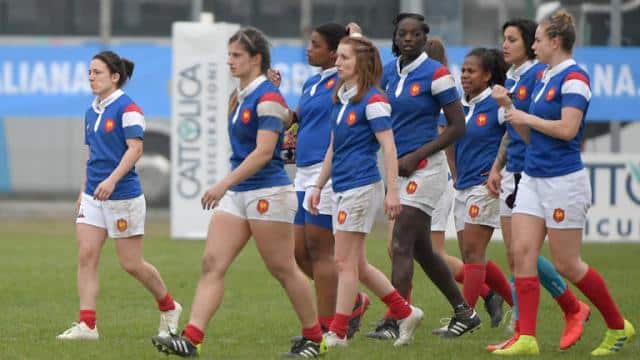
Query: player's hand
[
  {"x": 313, "y": 200},
  {"x": 501, "y": 95},
  {"x": 274, "y": 76},
  {"x": 212, "y": 196},
  {"x": 104, "y": 190},
  {"x": 516, "y": 117},
  {"x": 392, "y": 206},
  {"x": 353, "y": 28},
  {"x": 493, "y": 183},
  {"x": 408, "y": 164}
]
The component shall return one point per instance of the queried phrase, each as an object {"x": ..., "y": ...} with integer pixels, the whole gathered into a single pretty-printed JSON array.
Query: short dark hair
[
  {"x": 396, "y": 20},
  {"x": 116, "y": 64},
  {"x": 332, "y": 34},
  {"x": 492, "y": 62},
  {"x": 527, "y": 29}
]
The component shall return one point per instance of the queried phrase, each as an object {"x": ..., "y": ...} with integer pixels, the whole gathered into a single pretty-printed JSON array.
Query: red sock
[
  {"x": 398, "y": 306},
  {"x": 568, "y": 302},
  {"x": 313, "y": 333},
  {"x": 474, "y": 275},
  {"x": 194, "y": 334},
  {"x": 516, "y": 327},
  {"x": 484, "y": 292},
  {"x": 528, "y": 293},
  {"x": 166, "y": 303},
  {"x": 88, "y": 317},
  {"x": 498, "y": 282},
  {"x": 325, "y": 321},
  {"x": 340, "y": 324},
  {"x": 593, "y": 287}
]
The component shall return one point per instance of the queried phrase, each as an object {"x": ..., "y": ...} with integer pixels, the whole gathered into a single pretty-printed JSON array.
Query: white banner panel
[
  {"x": 200, "y": 88},
  {"x": 614, "y": 215},
  {"x": 615, "y": 209}
]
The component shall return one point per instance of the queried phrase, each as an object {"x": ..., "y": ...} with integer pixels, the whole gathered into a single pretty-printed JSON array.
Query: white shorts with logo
[
  {"x": 355, "y": 209},
  {"x": 121, "y": 218},
  {"x": 278, "y": 203},
  {"x": 562, "y": 201},
  {"x": 507, "y": 187},
  {"x": 424, "y": 188},
  {"x": 476, "y": 206},
  {"x": 306, "y": 178},
  {"x": 440, "y": 216}
]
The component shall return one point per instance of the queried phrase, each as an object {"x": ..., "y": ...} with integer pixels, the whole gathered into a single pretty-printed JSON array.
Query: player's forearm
[
  {"x": 501, "y": 157},
  {"x": 325, "y": 172},
  {"x": 128, "y": 161}
]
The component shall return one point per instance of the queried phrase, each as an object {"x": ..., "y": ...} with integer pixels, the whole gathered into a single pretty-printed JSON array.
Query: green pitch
[{"x": 38, "y": 299}]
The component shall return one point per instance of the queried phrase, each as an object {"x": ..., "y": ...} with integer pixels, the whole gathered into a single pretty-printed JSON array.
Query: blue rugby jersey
[
  {"x": 355, "y": 146},
  {"x": 520, "y": 82},
  {"x": 477, "y": 149},
  {"x": 417, "y": 93},
  {"x": 564, "y": 85},
  {"x": 314, "y": 117},
  {"x": 260, "y": 107},
  {"x": 108, "y": 125}
]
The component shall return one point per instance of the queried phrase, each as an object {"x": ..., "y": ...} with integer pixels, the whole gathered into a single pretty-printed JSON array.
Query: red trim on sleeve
[
  {"x": 440, "y": 72},
  {"x": 575, "y": 75},
  {"x": 133, "y": 108},
  {"x": 273, "y": 96}
]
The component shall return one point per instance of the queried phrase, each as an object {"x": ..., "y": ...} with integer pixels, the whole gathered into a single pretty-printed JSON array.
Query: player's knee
[
  {"x": 569, "y": 268},
  {"x": 211, "y": 266},
  {"x": 131, "y": 266},
  {"x": 88, "y": 259}
]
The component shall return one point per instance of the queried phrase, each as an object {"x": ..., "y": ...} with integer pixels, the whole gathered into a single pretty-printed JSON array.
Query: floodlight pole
[
  {"x": 414, "y": 6},
  {"x": 105, "y": 23},
  {"x": 196, "y": 10},
  {"x": 615, "y": 40}
]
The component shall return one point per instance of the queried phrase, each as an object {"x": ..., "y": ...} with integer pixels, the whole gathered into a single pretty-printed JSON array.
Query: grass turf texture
[{"x": 38, "y": 295}]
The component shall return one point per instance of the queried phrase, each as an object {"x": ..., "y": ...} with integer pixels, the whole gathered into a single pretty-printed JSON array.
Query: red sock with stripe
[
  {"x": 166, "y": 303},
  {"x": 398, "y": 306},
  {"x": 88, "y": 317},
  {"x": 528, "y": 293},
  {"x": 593, "y": 287},
  {"x": 194, "y": 334},
  {"x": 340, "y": 325},
  {"x": 474, "y": 275},
  {"x": 313, "y": 333},
  {"x": 498, "y": 282}
]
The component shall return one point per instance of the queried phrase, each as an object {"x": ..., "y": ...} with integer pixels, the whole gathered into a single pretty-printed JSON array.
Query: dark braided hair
[
  {"x": 492, "y": 62},
  {"x": 396, "y": 20},
  {"x": 116, "y": 64}
]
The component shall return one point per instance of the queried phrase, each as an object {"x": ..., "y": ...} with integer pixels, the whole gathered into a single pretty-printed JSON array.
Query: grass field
[{"x": 38, "y": 295}]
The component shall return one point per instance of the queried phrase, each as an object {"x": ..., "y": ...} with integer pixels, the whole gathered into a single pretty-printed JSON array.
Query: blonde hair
[
  {"x": 560, "y": 24},
  {"x": 368, "y": 66}
]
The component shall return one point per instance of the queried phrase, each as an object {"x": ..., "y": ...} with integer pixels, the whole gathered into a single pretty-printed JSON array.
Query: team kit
[{"x": 505, "y": 155}]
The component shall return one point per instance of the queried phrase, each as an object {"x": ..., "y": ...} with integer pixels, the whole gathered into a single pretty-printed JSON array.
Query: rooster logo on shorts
[
  {"x": 121, "y": 224},
  {"x": 342, "y": 217},
  {"x": 474, "y": 211},
  {"x": 263, "y": 206},
  {"x": 558, "y": 215},
  {"x": 412, "y": 187}
]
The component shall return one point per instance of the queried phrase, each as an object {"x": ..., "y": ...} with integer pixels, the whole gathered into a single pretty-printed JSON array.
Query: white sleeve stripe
[
  {"x": 441, "y": 84},
  {"x": 133, "y": 118},
  {"x": 377, "y": 109},
  {"x": 272, "y": 108},
  {"x": 576, "y": 86}
]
